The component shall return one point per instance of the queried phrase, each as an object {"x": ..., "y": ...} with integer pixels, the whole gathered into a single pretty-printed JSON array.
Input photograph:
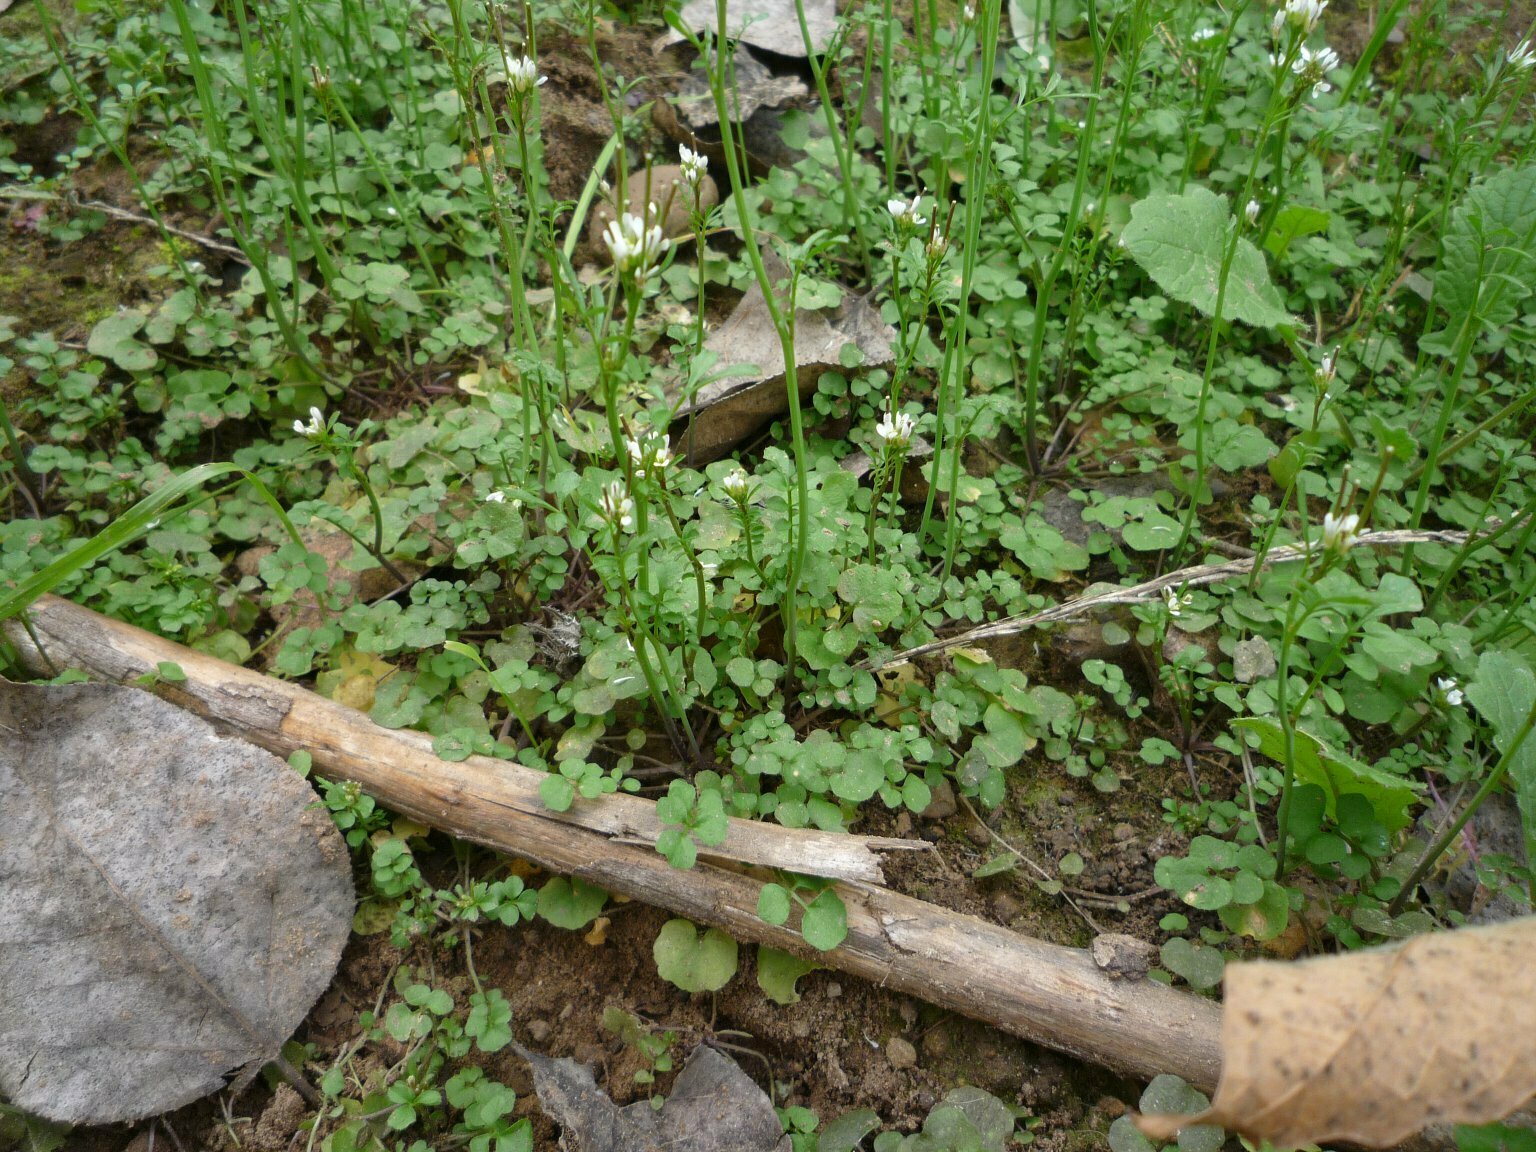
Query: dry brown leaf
[
  {"x": 1374, "y": 1046},
  {"x": 732, "y": 408}
]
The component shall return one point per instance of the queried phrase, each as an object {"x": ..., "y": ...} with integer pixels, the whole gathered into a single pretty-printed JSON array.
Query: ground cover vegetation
[{"x": 1166, "y": 282}]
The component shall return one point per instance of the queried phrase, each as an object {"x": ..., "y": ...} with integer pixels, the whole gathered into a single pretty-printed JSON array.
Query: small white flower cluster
[
  {"x": 314, "y": 428},
  {"x": 969, "y": 12},
  {"x": 1521, "y": 57},
  {"x": 651, "y": 456},
  {"x": 737, "y": 485},
  {"x": 895, "y": 432},
  {"x": 1323, "y": 376},
  {"x": 1300, "y": 14},
  {"x": 1251, "y": 212},
  {"x": 694, "y": 165},
  {"x": 1313, "y": 67},
  {"x": 636, "y": 246},
  {"x": 937, "y": 246},
  {"x": 1449, "y": 690},
  {"x": 1177, "y": 602},
  {"x": 1202, "y": 34},
  {"x": 522, "y": 74},
  {"x": 616, "y": 506},
  {"x": 1340, "y": 531},
  {"x": 905, "y": 212}
]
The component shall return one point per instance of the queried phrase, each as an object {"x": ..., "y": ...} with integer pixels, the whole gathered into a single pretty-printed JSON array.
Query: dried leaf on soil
[
  {"x": 171, "y": 903},
  {"x": 772, "y": 25},
  {"x": 713, "y": 1107},
  {"x": 1373, "y": 1046},
  {"x": 732, "y": 408},
  {"x": 756, "y": 87}
]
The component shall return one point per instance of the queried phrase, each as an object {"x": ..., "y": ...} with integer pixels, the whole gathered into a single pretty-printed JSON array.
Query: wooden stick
[{"x": 1043, "y": 992}]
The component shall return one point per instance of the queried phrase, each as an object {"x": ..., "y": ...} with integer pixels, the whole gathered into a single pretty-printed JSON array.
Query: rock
[
  {"x": 942, "y": 806},
  {"x": 834, "y": 990},
  {"x": 664, "y": 187},
  {"x": 1122, "y": 957},
  {"x": 538, "y": 1030},
  {"x": 900, "y": 1054},
  {"x": 978, "y": 835}
]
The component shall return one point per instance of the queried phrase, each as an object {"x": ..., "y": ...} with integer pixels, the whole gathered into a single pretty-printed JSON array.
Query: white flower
[
  {"x": 969, "y": 12},
  {"x": 1521, "y": 57},
  {"x": 737, "y": 485},
  {"x": 937, "y": 245},
  {"x": 1312, "y": 67},
  {"x": 617, "y": 508},
  {"x": 1201, "y": 35},
  {"x": 315, "y": 426},
  {"x": 1251, "y": 212},
  {"x": 651, "y": 455},
  {"x": 1327, "y": 370},
  {"x": 905, "y": 212},
  {"x": 1177, "y": 603},
  {"x": 496, "y": 497},
  {"x": 1277, "y": 27},
  {"x": 1304, "y": 14},
  {"x": 895, "y": 431},
  {"x": 1450, "y": 690},
  {"x": 635, "y": 246},
  {"x": 523, "y": 74},
  {"x": 1339, "y": 532},
  {"x": 694, "y": 165}
]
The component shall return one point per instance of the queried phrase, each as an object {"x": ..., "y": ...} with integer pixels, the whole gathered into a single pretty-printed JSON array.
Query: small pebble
[
  {"x": 900, "y": 1054},
  {"x": 978, "y": 835},
  {"x": 936, "y": 1044},
  {"x": 1124, "y": 832},
  {"x": 943, "y": 804},
  {"x": 1006, "y": 906},
  {"x": 538, "y": 1031},
  {"x": 834, "y": 990}
]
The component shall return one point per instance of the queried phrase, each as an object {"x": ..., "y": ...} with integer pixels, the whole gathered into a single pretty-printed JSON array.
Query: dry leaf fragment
[
  {"x": 1374, "y": 1046},
  {"x": 171, "y": 903},
  {"x": 732, "y": 408},
  {"x": 772, "y": 25},
  {"x": 713, "y": 1107}
]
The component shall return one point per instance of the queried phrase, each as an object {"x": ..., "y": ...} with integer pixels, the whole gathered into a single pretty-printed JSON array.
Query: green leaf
[
  {"x": 570, "y": 904},
  {"x": 694, "y": 961},
  {"x": 1180, "y": 241},
  {"x": 777, "y": 973},
  {"x": 773, "y": 904},
  {"x": 1042, "y": 549},
  {"x": 1488, "y": 255},
  {"x": 1200, "y": 965},
  {"x": 1290, "y": 224},
  {"x": 845, "y": 1133},
  {"x": 1336, "y": 774},
  {"x": 825, "y": 923},
  {"x": 115, "y": 338},
  {"x": 1005, "y": 740},
  {"x": 1504, "y": 692},
  {"x": 874, "y": 593}
]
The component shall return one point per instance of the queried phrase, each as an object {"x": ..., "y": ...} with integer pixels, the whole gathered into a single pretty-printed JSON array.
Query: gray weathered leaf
[
  {"x": 171, "y": 903},
  {"x": 772, "y": 25},
  {"x": 735, "y": 405},
  {"x": 713, "y": 1107}
]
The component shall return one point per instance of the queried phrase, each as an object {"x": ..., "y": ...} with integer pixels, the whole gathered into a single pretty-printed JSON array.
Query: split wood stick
[{"x": 1046, "y": 993}]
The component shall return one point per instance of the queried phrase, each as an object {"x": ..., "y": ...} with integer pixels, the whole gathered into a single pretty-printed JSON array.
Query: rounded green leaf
[{"x": 694, "y": 961}]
